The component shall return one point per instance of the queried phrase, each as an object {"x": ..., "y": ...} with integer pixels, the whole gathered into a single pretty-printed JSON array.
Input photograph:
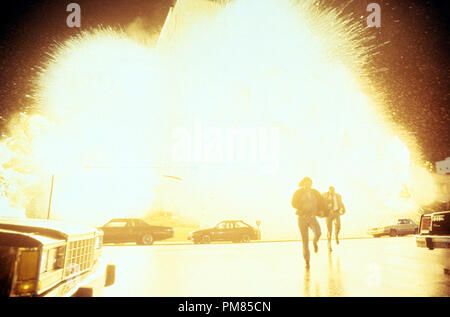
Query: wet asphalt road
[{"x": 356, "y": 267}]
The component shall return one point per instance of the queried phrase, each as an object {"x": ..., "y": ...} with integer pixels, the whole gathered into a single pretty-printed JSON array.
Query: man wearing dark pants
[
  {"x": 336, "y": 209},
  {"x": 308, "y": 202}
]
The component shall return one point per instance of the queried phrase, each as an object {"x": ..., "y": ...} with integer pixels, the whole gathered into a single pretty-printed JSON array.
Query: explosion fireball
[{"x": 239, "y": 102}]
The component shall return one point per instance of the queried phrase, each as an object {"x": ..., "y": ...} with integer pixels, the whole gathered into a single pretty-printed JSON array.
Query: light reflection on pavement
[{"x": 356, "y": 267}]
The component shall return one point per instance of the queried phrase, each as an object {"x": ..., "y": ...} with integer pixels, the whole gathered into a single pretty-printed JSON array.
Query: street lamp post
[{"x": 50, "y": 198}]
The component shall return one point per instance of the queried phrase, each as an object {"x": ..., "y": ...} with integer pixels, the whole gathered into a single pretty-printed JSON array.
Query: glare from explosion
[{"x": 239, "y": 99}]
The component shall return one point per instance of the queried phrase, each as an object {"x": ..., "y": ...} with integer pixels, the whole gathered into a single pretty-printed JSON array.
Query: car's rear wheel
[
  {"x": 393, "y": 233},
  {"x": 147, "y": 239},
  {"x": 206, "y": 239},
  {"x": 245, "y": 238}
]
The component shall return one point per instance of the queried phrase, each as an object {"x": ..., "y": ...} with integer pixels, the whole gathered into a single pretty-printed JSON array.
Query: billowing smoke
[{"x": 238, "y": 101}]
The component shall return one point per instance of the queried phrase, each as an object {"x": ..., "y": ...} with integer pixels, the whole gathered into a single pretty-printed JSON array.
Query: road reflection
[
  {"x": 312, "y": 281},
  {"x": 335, "y": 286},
  {"x": 369, "y": 267},
  {"x": 307, "y": 283}
]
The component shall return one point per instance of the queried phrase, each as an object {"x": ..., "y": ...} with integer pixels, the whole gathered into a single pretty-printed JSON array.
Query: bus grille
[{"x": 80, "y": 256}]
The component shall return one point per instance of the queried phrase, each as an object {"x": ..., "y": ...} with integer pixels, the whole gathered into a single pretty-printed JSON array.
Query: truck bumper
[
  {"x": 378, "y": 232},
  {"x": 433, "y": 242},
  {"x": 93, "y": 285},
  {"x": 89, "y": 284}
]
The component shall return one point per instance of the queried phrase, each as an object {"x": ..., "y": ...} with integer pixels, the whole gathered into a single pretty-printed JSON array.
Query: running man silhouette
[
  {"x": 308, "y": 203},
  {"x": 336, "y": 209}
]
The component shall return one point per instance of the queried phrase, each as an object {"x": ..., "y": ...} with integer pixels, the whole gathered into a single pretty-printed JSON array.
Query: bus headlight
[
  {"x": 25, "y": 287},
  {"x": 44, "y": 259},
  {"x": 98, "y": 242},
  {"x": 27, "y": 273},
  {"x": 28, "y": 265}
]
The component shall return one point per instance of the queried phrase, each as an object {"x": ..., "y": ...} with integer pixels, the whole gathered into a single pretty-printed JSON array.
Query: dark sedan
[
  {"x": 122, "y": 230},
  {"x": 228, "y": 230}
]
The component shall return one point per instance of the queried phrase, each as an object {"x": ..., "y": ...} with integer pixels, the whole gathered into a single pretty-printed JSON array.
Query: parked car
[
  {"x": 434, "y": 230},
  {"x": 434, "y": 233},
  {"x": 401, "y": 227},
  {"x": 45, "y": 258},
  {"x": 228, "y": 230},
  {"x": 122, "y": 230}
]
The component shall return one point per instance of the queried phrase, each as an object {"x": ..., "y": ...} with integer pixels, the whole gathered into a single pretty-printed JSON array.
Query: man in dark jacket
[
  {"x": 336, "y": 209},
  {"x": 308, "y": 203}
]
